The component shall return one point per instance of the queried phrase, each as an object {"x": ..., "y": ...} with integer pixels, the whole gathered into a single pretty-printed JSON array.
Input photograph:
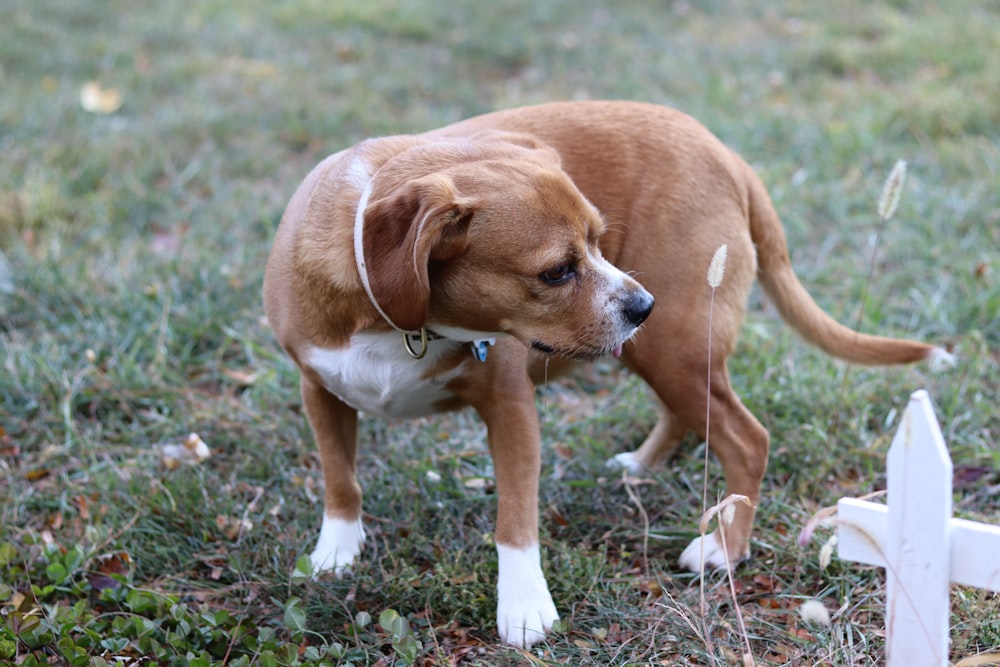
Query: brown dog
[{"x": 508, "y": 238}]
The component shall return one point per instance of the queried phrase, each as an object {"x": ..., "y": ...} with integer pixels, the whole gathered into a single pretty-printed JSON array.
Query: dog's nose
[{"x": 638, "y": 307}]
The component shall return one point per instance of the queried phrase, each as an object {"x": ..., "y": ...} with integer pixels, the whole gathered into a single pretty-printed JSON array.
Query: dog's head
[{"x": 488, "y": 234}]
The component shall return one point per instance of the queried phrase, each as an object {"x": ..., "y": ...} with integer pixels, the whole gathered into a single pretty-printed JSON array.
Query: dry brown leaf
[
  {"x": 109, "y": 566},
  {"x": 243, "y": 378},
  {"x": 233, "y": 527},
  {"x": 992, "y": 658},
  {"x": 37, "y": 474},
  {"x": 82, "y": 506},
  {"x": 729, "y": 655}
]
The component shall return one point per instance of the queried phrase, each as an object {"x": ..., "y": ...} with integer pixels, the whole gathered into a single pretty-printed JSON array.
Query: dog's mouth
[{"x": 581, "y": 353}]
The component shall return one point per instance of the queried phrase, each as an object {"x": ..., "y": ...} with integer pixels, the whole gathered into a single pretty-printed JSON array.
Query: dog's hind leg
[
  {"x": 741, "y": 444},
  {"x": 658, "y": 446},
  {"x": 737, "y": 439}
]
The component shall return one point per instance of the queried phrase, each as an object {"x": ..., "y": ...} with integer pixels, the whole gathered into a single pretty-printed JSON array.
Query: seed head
[
  {"x": 813, "y": 611},
  {"x": 717, "y": 268},
  {"x": 891, "y": 191},
  {"x": 826, "y": 553}
]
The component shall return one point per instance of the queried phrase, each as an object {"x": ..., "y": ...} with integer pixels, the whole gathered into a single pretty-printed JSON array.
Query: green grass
[{"x": 132, "y": 253}]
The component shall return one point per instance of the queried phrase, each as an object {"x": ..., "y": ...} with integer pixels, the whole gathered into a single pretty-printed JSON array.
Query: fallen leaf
[
  {"x": 168, "y": 241},
  {"x": 7, "y": 446},
  {"x": 190, "y": 452},
  {"x": 992, "y": 658},
  {"x": 232, "y": 527},
  {"x": 37, "y": 474},
  {"x": 110, "y": 567},
  {"x": 969, "y": 475},
  {"x": 96, "y": 99},
  {"x": 557, "y": 517},
  {"x": 651, "y": 587},
  {"x": 116, "y": 562},
  {"x": 243, "y": 378},
  {"x": 766, "y": 583},
  {"x": 82, "y": 506},
  {"x": 729, "y": 655}
]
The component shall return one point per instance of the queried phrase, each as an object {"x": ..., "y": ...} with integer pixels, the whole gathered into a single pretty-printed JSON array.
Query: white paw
[
  {"x": 339, "y": 543},
  {"x": 704, "y": 553},
  {"x": 525, "y": 611},
  {"x": 706, "y": 550},
  {"x": 625, "y": 461}
]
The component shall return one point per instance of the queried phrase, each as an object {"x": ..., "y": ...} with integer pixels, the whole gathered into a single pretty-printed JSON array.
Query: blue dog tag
[{"x": 481, "y": 347}]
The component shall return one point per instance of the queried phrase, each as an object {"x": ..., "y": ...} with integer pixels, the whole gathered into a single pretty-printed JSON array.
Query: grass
[{"x": 132, "y": 254}]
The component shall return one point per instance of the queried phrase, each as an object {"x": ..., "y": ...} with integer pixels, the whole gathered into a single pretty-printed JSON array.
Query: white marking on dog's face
[
  {"x": 525, "y": 611},
  {"x": 374, "y": 374},
  {"x": 339, "y": 544},
  {"x": 604, "y": 323},
  {"x": 619, "y": 288}
]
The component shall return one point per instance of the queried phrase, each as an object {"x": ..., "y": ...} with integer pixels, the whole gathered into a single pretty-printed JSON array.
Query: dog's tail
[{"x": 799, "y": 309}]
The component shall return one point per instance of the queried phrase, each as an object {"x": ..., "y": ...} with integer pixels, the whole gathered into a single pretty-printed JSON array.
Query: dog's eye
[{"x": 559, "y": 274}]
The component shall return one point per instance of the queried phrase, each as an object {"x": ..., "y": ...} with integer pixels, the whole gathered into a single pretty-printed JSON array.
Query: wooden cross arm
[{"x": 974, "y": 553}]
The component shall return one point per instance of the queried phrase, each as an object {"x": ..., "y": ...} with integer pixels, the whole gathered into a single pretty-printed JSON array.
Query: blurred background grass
[{"x": 133, "y": 246}]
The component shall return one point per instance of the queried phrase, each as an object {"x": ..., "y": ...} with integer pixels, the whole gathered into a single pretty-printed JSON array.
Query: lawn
[{"x": 134, "y": 227}]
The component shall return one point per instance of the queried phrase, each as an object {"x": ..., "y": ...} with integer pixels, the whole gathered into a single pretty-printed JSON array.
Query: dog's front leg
[
  {"x": 525, "y": 611},
  {"x": 335, "y": 428}
]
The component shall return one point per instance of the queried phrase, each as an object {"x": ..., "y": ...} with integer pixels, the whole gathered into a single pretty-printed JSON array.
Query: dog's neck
[{"x": 422, "y": 337}]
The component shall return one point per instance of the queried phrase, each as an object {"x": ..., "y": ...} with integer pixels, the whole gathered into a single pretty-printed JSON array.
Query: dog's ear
[{"x": 419, "y": 221}]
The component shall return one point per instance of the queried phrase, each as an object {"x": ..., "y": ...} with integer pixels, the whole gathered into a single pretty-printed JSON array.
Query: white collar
[
  {"x": 479, "y": 347},
  {"x": 359, "y": 254}
]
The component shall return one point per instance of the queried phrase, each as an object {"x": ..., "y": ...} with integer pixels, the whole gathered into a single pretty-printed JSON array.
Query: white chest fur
[{"x": 374, "y": 374}]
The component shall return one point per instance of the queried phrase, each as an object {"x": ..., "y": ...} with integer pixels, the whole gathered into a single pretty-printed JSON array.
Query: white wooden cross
[{"x": 916, "y": 540}]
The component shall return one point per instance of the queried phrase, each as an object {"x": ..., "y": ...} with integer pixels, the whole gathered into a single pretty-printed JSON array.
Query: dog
[{"x": 422, "y": 273}]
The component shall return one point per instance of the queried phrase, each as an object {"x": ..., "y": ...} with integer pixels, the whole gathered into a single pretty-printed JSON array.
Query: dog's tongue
[{"x": 617, "y": 352}]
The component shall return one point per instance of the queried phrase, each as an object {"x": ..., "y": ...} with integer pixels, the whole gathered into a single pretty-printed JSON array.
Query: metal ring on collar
[{"x": 423, "y": 344}]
